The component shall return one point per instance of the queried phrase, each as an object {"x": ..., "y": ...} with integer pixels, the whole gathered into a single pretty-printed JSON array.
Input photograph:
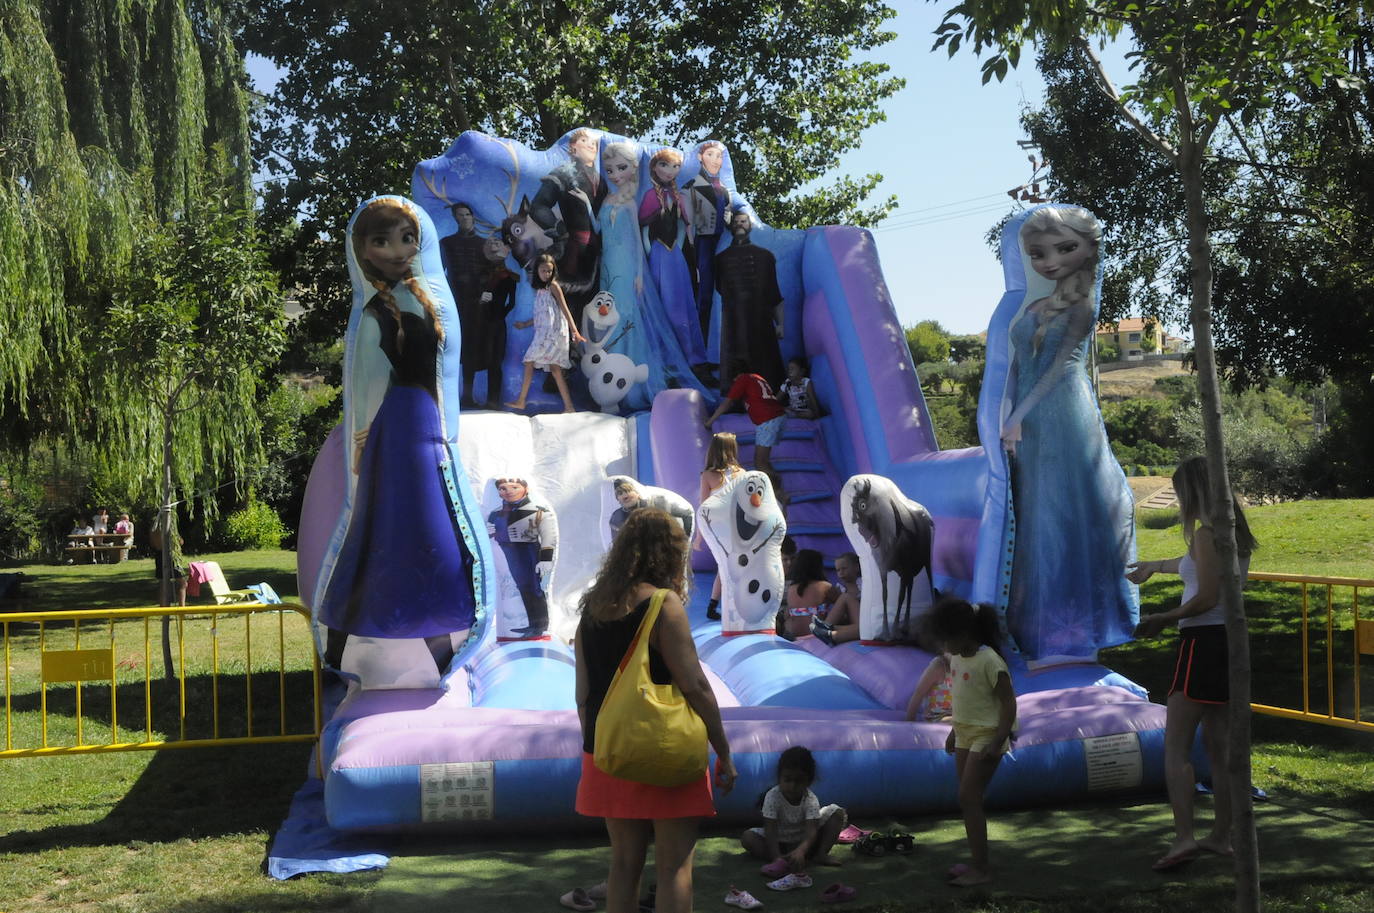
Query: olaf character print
[
  {"x": 610, "y": 375},
  {"x": 744, "y": 528}
]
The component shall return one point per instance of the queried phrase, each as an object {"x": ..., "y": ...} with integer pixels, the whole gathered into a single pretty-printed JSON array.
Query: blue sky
[{"x": 948, "y": 152}]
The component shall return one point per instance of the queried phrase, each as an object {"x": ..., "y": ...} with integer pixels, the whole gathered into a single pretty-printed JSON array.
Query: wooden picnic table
[{"x": 95, "y": 543}]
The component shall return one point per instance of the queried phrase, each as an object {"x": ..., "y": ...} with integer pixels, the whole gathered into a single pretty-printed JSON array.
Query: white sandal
[{"x": 743, "y": 899}]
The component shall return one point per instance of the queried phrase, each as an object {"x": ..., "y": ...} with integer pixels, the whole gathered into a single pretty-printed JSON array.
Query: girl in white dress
[{"x": 552, "y": 323}]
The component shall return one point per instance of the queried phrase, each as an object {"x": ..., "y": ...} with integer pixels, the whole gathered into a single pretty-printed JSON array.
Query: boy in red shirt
[{"x": 765, "y": 411}]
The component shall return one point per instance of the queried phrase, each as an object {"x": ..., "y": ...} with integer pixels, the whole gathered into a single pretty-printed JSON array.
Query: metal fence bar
[
  {"x": 84, "y": 668},
  {"x": 1355, "y": 659},
  {"x": 1330, "y": 718}
]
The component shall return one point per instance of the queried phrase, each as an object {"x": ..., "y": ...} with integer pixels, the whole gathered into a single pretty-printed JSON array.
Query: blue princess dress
[
  {"x": 1075, "y": 530},
  {"x": 625, "y": 274},
  {"x": 404, "y": 561}
]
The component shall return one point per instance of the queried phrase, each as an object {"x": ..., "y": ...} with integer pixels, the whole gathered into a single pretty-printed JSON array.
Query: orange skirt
[{"x": 600, "y": 795}]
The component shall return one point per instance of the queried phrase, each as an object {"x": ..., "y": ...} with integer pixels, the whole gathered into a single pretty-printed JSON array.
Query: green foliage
[
  {"x": 21, "y": 526},
  {"x": 955, "y": 424},
  {"x": 255, "y": 527},
  {"x": 1107, "y": 352},
  {"x": 1139, "y": 420},
  {"x": 927, "y": 342},
  {"x": 368, "y": 93},
  {"x": 201, "y": 319},
  {"x": 107, "y": 112},
  {"x": 967, "y": 348},
  {"x": 295, "y": 421}
]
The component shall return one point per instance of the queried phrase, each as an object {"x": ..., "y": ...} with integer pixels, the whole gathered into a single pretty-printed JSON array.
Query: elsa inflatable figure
[
  {"x": 404, "y": 562},
  {"x": 645, "y": 333},
  {"x": 1074, "y": 527}
]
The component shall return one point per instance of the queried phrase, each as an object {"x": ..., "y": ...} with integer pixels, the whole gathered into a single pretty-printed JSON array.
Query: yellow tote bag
[{"x": 645, "y": 732}]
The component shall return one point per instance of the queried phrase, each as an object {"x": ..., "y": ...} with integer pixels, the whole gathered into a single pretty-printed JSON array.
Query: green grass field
[{"x": 187, "y": 830}]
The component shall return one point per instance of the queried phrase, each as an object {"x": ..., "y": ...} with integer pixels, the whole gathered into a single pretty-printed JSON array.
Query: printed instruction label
[
  {"x": 1113, "y": 761},
  {"x": 456, "y": 792}
]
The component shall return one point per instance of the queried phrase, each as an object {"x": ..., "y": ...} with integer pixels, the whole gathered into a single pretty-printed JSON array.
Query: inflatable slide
[{"x": 469, "y": 722}]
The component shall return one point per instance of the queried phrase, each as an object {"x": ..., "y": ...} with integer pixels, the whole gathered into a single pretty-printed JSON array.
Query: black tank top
[{"x": 603, "y": 647}]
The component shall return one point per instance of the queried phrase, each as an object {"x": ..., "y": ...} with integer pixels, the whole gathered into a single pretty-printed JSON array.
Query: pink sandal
[
  {"x": 850, "y": 834},
  {"x": 838, "y": 893},
  {"x": 775, "y": 869}
]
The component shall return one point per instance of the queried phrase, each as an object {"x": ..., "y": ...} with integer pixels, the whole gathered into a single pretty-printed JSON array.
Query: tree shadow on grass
[{"x": 190, "y": 792}]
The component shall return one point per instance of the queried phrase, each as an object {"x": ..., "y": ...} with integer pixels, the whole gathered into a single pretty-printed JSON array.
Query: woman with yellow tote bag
[{"x": 649, "y": 555}]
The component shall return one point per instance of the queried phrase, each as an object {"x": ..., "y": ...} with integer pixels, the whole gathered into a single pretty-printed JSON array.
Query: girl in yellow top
[{"x": 984, "y": 718}]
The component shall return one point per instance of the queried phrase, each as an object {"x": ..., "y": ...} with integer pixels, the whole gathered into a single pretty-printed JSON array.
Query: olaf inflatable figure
[
  {"x": 628, "y": 495},
  {"x": 744, "y": 528},
  {"x": 892, "y": 535},
  {"x": 526, "y": 535},
  {"x": 610, "y": 375}
]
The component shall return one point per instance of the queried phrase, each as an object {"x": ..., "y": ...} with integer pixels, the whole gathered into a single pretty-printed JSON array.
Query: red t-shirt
[{"x": 759, "y": 399}]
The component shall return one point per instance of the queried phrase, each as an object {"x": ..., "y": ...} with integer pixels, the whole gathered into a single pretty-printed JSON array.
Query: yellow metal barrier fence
[
  {"x": 1329, "y": 629},
  {"x": 67, "y": 679}
]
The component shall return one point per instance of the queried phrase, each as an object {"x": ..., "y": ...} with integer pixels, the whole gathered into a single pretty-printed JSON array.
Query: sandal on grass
[
  {"x": 743, "y": 899},
  {"x": 775, "y": 869},
  {"x": 874, "y": 843},
  {"x": 837, "y": 893},
  {"x": 578, "y": 899},
  {"x": 850, "y": 834},
  {"x": 791, "y": 882}
]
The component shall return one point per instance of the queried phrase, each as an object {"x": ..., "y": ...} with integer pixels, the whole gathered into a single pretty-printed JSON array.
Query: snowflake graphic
[{"x": 463, "y": 166}]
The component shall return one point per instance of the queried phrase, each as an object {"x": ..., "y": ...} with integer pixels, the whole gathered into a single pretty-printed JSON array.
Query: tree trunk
[
  {"x": 1223, "y": 523},
  {"x": 168, "y": 533}
]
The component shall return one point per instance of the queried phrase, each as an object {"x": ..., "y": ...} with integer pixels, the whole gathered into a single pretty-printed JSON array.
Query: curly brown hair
[{"x": 650, "y": 548}]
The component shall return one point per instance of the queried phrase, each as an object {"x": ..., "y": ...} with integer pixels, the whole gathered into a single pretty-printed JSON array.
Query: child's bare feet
[
  {"x": 1215, "y": 847},
  {"x": 516, "y": 405}
]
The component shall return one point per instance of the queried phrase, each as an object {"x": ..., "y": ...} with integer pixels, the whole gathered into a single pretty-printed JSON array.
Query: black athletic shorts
[{"x": 1201, "y": 671}]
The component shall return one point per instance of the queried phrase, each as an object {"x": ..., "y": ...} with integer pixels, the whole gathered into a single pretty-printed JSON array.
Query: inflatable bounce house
[{"x": 457, "y": 514}]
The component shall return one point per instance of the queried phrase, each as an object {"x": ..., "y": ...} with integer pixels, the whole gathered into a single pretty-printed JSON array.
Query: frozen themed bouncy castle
[{"x": 444, "y": 546}]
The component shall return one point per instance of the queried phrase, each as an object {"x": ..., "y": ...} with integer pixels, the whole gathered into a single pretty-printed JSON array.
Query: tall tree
[
  {"x": 106, "y": 114},
  {"x": 1291, "y": 220},
  {"x": 200, "y": 320},
  {"x": 1198, "y": 65},
  {"x": 369, "y": 90}
]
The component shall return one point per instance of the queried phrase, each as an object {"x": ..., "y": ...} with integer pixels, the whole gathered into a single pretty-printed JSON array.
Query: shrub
[
  {"x": 21, "y": 526},
  {"x": 257, "y": 526}
]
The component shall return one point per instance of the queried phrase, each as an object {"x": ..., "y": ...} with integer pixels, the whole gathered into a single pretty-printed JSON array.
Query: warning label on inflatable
[
  {"x": 456, "y": 792},
  {"x": 1113, "y": 761}
]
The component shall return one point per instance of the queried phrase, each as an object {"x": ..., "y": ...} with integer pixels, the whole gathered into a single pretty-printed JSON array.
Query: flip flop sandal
[
  {"x": 874, "y": 843},
  {"x": 743, "y": 899},
  {"x": 837, "y": 893},
  {"x": 901, "y": 843},
  {"x": 578, "y": 899},
  {"x": 791, "y": 882}
]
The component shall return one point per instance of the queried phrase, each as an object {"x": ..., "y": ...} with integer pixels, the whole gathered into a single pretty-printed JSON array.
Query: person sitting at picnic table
[
  {"x": 80, "y": 528},
  {"x": 125, "y": 526}
]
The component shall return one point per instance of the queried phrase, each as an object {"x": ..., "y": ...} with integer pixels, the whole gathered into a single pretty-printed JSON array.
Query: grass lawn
[{"x": 187, "y": 830}]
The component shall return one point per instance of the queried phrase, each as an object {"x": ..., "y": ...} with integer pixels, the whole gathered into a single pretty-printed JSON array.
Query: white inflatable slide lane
[{"x": 566, "y": 459}]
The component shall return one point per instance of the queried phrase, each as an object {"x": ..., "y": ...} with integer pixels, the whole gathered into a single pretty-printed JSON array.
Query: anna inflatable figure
[
  {"x": 405, "y": 563},
  {"x": 665, "y": 229}
]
